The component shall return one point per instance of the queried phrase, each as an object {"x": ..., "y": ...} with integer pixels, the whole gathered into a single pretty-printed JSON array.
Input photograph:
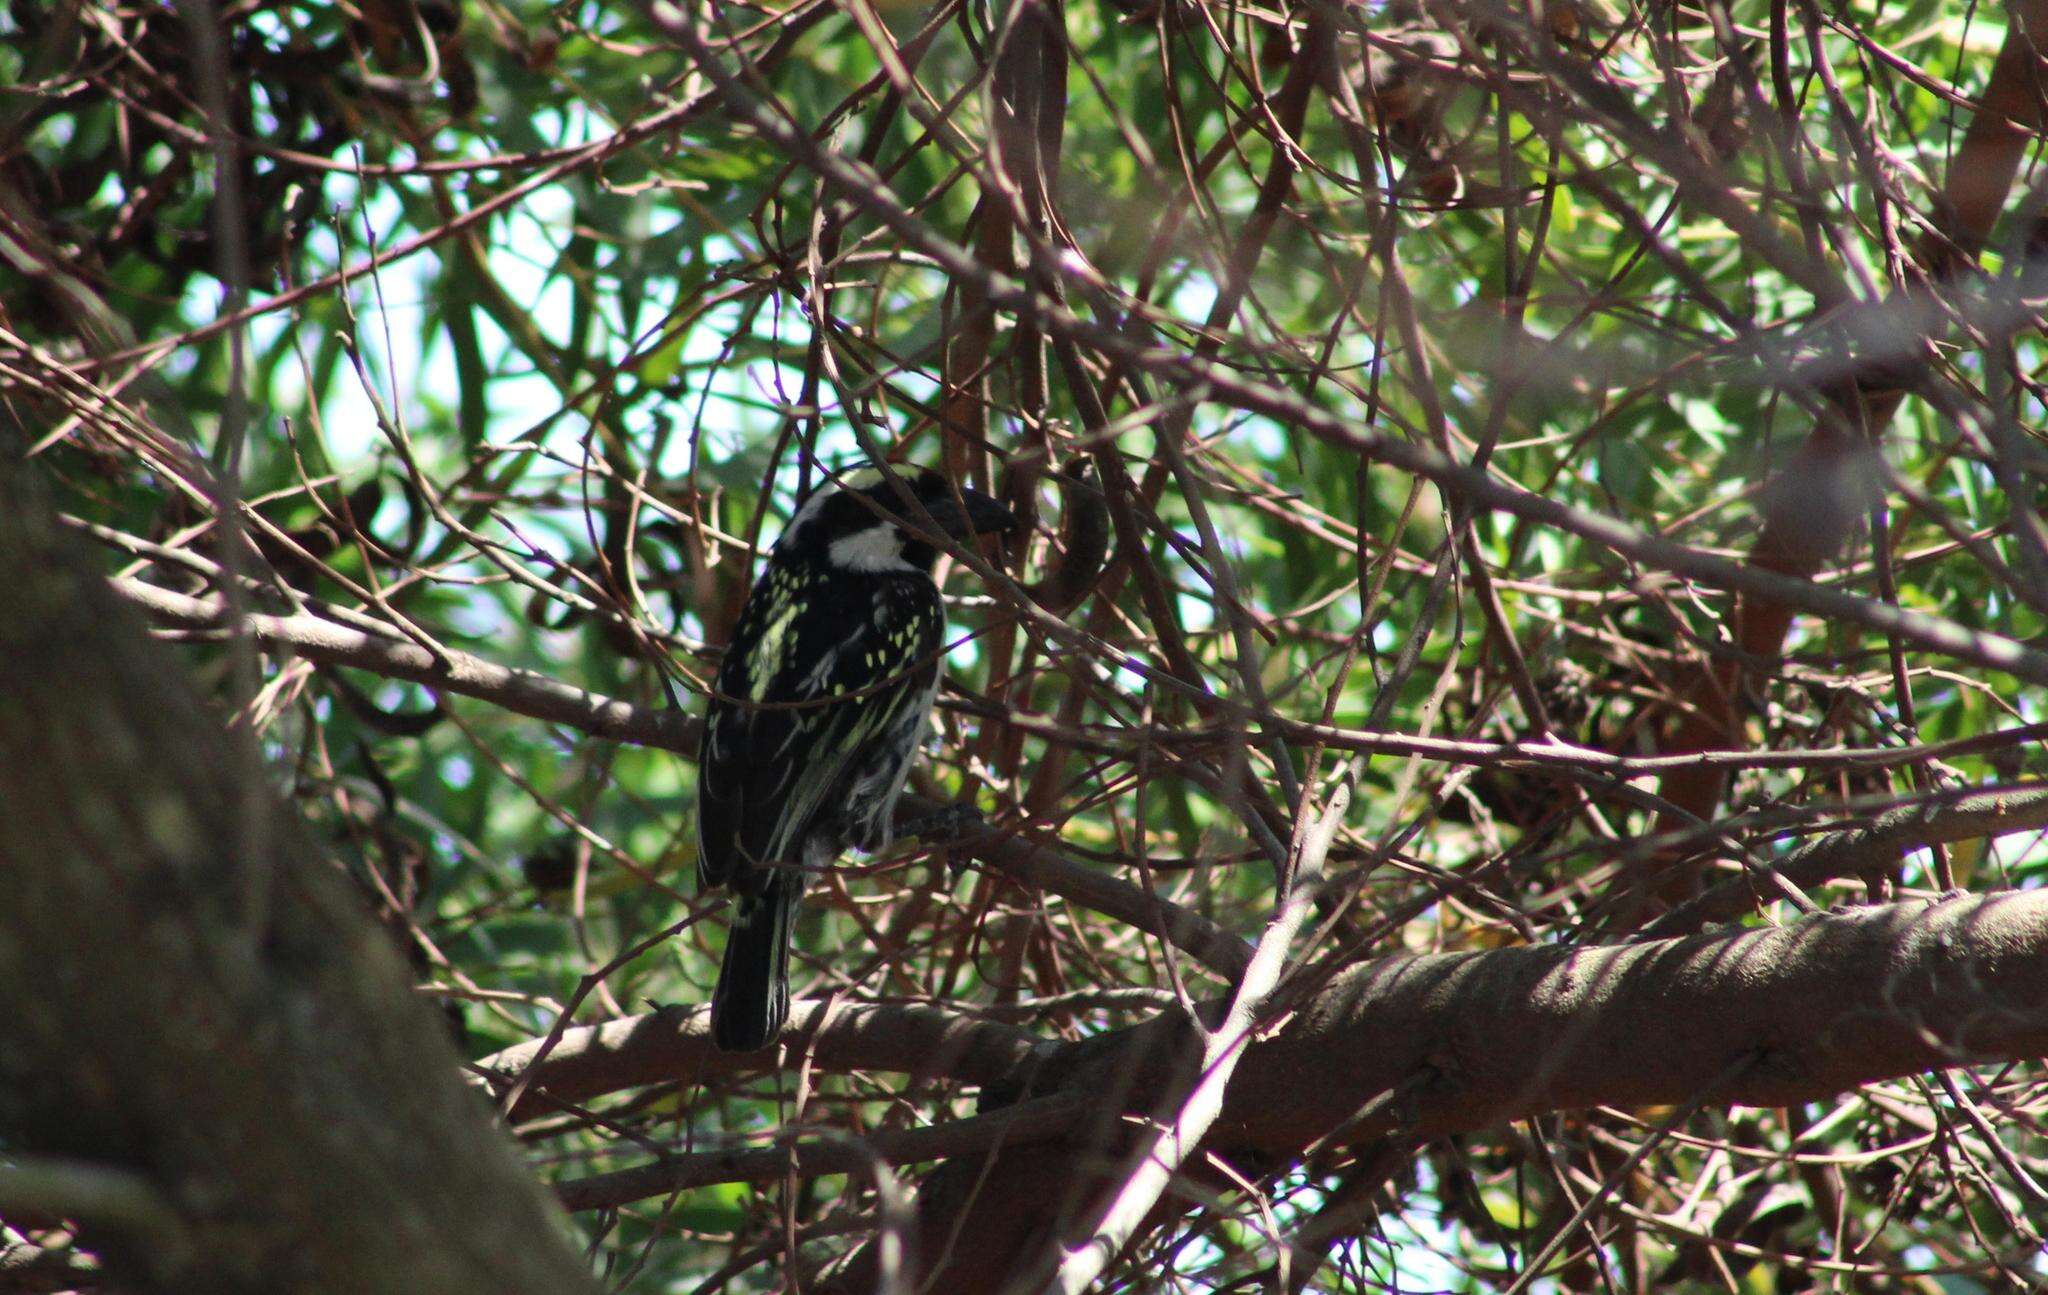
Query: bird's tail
[{"x": 752, "y": 998}]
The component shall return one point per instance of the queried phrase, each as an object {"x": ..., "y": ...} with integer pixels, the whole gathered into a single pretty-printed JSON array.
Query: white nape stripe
[
  {"x": 806, "y": 514},
  {"x": 864, "y": 479},
  {"x": 872, "y": 548}
]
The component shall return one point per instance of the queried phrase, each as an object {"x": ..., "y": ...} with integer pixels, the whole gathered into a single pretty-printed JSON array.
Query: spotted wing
[{"x": 822, "y": 667}]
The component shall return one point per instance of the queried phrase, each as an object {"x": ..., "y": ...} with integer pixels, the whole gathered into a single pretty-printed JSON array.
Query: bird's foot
[
  {"x": 944, "y": 829},
  {"x": 942, "y": 825}
]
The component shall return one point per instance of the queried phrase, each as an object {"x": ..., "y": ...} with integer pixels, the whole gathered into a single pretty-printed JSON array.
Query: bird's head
[{"x": 865, "y": 523}]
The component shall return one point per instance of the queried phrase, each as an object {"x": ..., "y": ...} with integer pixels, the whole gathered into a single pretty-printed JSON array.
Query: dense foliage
[{"x": 1392, "y": 384}]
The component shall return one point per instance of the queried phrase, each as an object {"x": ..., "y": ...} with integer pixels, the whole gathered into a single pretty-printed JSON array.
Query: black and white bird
[{"x": 819, "y": 707}]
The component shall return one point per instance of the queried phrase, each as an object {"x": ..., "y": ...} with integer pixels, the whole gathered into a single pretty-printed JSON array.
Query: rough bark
[
  {"x": 1425, "y": 1046},
  {"x": 197, "y": 1005},
  {"x": 674, "y": 1044}
]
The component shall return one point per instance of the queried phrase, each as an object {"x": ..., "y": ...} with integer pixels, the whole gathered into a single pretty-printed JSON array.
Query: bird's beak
[{"x": 982, "y": 515}]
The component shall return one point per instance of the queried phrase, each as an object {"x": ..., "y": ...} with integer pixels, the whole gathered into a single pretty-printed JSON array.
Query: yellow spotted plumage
[{"x": 820, "y": 704}]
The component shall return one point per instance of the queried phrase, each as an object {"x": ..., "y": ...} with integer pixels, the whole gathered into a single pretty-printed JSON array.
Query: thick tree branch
[
  {"x": 1825, "y": 1004},
  {"x": 1421, "y": 1046},
  {"x": 1468, "y": 1041},
  {"x": 675, "y": 1044},
  {"x": 196, "y": 1001}
]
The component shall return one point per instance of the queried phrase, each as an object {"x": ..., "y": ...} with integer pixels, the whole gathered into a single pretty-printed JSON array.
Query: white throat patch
[{"x": 873, "y": 548}]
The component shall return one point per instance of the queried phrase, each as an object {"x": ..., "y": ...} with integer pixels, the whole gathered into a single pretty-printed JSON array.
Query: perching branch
[
  {"x": 527, "y": 693},
  {"x": 674, "y": 1044}
]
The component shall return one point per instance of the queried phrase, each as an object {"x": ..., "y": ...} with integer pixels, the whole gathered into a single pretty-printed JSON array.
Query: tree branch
[
  {"x": 521, "y": 691},
  {"x": 1163, "y": 1150},
  {"x": 1880, "y": 844},
  {"x": 1472, "y": 1040},
  {"x": 836, "y": 1154},
  {"x": 197, "y": 1001},
  {"x": 675, "y": 1044},
  {"x": 1421, "y": 1046}
]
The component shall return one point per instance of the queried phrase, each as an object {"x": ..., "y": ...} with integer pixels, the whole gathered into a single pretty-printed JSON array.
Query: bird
[{"x": 817, "y": 710}]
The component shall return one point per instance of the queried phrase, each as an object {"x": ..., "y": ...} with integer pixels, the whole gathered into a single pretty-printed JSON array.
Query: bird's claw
[
  {"x": 942, "y": 825},
  {"x": 945, "y": 828}
]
